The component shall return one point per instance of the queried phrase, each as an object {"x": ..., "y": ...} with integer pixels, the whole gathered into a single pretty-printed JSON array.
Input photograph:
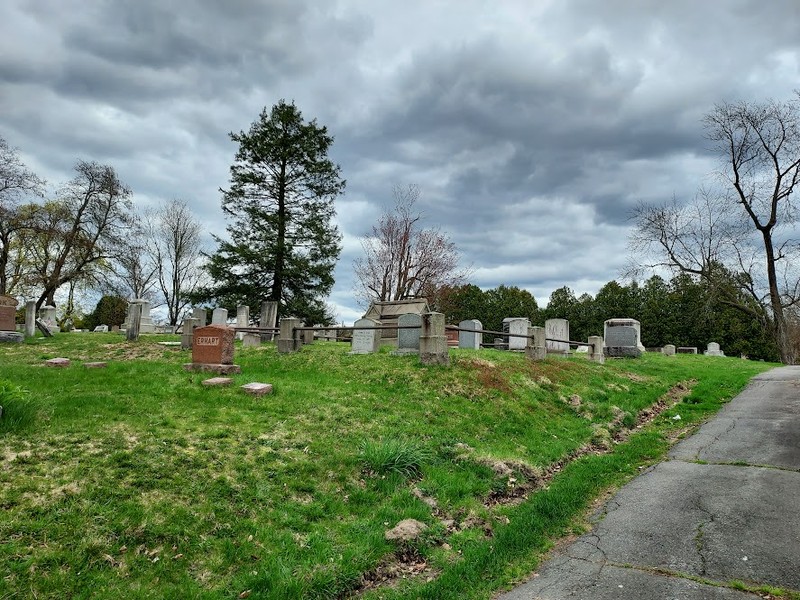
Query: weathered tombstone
[
  {"x": 620, "y": 341},
  {"x": 219, "y": 316},
  {"x": 686, "y": 350},
  {"x": 41, "y": 326},
  {"x": 365, "y": 341},
  {"x": 187, "y": 332},
  {"x": 134, "y": 320},
  {"x": 536, "y": 344},
  {"x": 8, "y": 313},
  {"x": 30, "y": 318},
  {"x": 611, "y": 323},
  {"x": 269, "y": 317},
  {"x": 115, "y": 328},
  {"x": 289, "y": 340},
  {"x": 517, "y": 326},
  {"x": 251, "y": 340},
  {"x": 500, "y": 343},
  {"x": 596, "y": 349},
  {"x": 408, "y": 339},
  {"x": 47, "y": 315},
  {"x": 212, "y": 350},
  {"x": 433, "y": 348},
  {"x": 146, "y": 324},
  {"x": 557, "y": 329},
  {"x": 201, "y": 314},
  {"x": 668, "y": 350},
  {"x": 470, "y": 339},
  {"x": 713, "y": 350},
  {"x": 101, "y": 329},
  {"x": 242, "y": 319},
  {"x": 307, "y": 335}
]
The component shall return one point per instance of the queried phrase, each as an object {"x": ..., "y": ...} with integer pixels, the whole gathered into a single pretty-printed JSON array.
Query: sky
[{"x": 532, "y": 127}]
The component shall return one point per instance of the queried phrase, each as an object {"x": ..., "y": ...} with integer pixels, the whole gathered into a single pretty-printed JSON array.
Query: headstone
[
  {"x": 269, "y": 317},
  {"x": 620, "y": 341},
  {"x": 47, "y": 315},
  {"x": 518, "y": 326},
  {"x": 686, "y": 350},
  {"x": 212, "y": 350},
  {"x": 146, "y": 324},
  {"x": 668, "y": 350},
  {"x": 536, "y": 343},
  {"x": 433, "y": 348},
  {"x": 30, "y": 318},
  {"x": 307, "y": 336},
  {"x": 43, "y": 328},
  {"x": 115, "y": 328},
  {"x": 557, "y": 329},
  {"x": 257, "y": 389},
  {"x": 713, "y": 350},
  {"x": 242, "y": 319},
  {"x": 218, "y": 382},
  {"x": 611, "y": 323},
  {"x": 57, "y": 362},
  {"x": 251, "y": 340},
  {"x": 289, "y": 339},
  {"x": 101, "y": 329},
  {"x": 187, "y": 332},
  {"x": 408, "y": 339},
  {"x": 8, "y": 313},
  {"x": 201, "y": 314},
  {"x": 470, "y": 339},
  {"x": 219, "y": 316},
  {"x": 365, "y": 341},
  {"x": 596, "y": 349},
  {"x": 134, "y": 320}
]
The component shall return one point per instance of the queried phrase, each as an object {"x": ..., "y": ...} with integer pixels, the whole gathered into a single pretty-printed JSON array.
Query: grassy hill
[{"x": 137, "y": 481}]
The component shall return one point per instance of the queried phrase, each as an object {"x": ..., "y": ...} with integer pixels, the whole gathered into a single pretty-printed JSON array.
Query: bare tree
[
  {"x": 16, "y": 182},
  {"x": 76, "y": 236},
  {"x": 745, "y": 229},
  {"x": 403, "y": 260},
  {"x": 175, "y": 247},
  {"x": 134, "y": 271}
]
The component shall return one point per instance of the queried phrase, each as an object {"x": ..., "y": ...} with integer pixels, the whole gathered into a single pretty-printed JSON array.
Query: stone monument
[
  {"x": 713, "y": 350},
  {"x": 47, "y": 315},
  {"x": 365, "y": 341},
  {"x": 269, "y": 318},
  {"x": 470, "y": 339},
  {"x": 668, "y": 350},
  {"x": 30, "y": 318},
  {"x": 557, "y": 329},
  {"x": 146, "y": 324},
  {"x": 8, "y": 318},
  {"x": 219, "y": 316},
  {"x": 212, "y": 350},
  {"x": 433, "y": 348},
  {"x": 621, "y": 341},
  {"x": 611, "y": 323},
  {"x": 408, "y": 339},
  {"x": 517, "y": 326}
]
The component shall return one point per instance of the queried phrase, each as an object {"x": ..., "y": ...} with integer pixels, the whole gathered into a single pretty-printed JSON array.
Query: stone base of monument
[
  {"x": 622, "y": 351},
  {"x": 11, "y": 337},
  {"x": 212, "y": 368}
]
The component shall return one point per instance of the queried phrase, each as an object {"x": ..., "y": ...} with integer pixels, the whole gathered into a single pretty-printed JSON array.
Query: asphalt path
[{"x": 724, "y": 507}]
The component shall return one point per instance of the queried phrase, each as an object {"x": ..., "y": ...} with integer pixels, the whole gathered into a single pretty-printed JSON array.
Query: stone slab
[
  {"x": 11, "y": 337},
  {"x": 622, "y": 351},
  {"x": 257, "y": 389},
  {"x": 57, "y": 362},
  {"x": 218, "y": 381},
  {"x": 8, "y": 316},
  {"x": 365, "y": 341},
  {"x": 209, "y": 368},
  {"x": 95, "y": 365}
]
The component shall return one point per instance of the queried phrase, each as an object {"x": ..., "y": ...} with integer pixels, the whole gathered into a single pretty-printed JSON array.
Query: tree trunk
[{"x": 280, "y": 250}]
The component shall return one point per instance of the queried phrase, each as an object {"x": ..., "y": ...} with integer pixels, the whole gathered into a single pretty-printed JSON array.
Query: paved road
[{"x": 724, "y": 507}]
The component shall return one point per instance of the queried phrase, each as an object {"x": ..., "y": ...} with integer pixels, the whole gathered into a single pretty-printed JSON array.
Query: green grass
[{"x": 136, "y": 481}]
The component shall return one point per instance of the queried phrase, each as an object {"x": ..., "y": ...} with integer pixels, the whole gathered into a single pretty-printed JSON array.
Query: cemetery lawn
[{"x": 136, "y": 481}]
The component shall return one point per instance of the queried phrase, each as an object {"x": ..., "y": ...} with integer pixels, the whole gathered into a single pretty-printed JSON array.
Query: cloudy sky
[{"x": 531, "y": 126}]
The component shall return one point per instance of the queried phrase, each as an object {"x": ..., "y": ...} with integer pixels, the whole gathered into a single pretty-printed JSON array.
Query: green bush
[
  {"x": 18, "y": 409},
  {"x": 394, "y": 455}
]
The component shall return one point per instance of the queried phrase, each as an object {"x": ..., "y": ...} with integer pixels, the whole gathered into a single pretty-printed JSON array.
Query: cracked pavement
[{"x": 725, "y": 506}]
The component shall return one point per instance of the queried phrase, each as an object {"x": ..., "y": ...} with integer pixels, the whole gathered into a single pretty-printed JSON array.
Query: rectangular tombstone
[
  {"x": 47, "y": 315},
  {"x": 408, "y": 339},
  {"x": 219, "y": 316},
  {"x": 668, "y": 350},
  {"x": 365, "y": 341},
  {"x": 713, "y": 350},
  {"x": 187, "y": 335},
  {"x": 307, "y": 336},
  {"x": 611, "y": 323},
  {"x": 201, "y": 314},
  {"x": 433, "y": 348},
  {"x": 251, "y": 340},
  {"x": 289, "y": 340},
  {"x": 557, "y": 329},
  {"x": 517, "y": 326},
  {"x": 242, "y": 316},
  {"x": 8, "y": 313},
  {"x": 470, "y": 339},
  {"x": 30, "y": 318},
  {"x": 134, "y": 320},
  {"x": 621, "y": 341},
  {"x": 269, "y": 317},
  {"x": 213, "y": 345}
]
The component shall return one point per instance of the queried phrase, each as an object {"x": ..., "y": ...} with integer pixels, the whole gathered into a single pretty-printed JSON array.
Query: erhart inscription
[{"x": 206, "y": 340}]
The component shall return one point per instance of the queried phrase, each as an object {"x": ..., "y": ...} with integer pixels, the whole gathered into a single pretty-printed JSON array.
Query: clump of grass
[
  {"x": 394, "y": 455},
  {"x": 18, "y": 410}
]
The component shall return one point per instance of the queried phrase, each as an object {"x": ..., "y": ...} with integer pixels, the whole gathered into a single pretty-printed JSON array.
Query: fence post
[
  {"x": 536, "y": 347},
  {"x": 596, "y": 349},
  {"x": 289, "y": 340},
  {"x": 433, "y": 348}
]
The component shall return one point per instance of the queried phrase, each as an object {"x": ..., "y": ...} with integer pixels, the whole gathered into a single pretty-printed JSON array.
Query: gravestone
[
  {"x": 620, "y": 341},
  {"x": 408, "y": 339},
  {"x": 134, "y": 321},
  {"x": 595, "y": 348},
  {"x": 219, "y": 316},
  {"x": 365, "y": 341},
  {"x": 47, "y": 315},
  {"x": 470, "y": 339},
  {"x": 686, "y": 350},
  {"x": 8, "y": 316},
  {"x": 30, "y": 318},
  {"x": 201, "y": 314},
  {"x": 269, "y": 317},
  {"x": 187, "y": 332},
  {"x": 611, "y": 323},
  {"x": 101, "y": 329},
  {"x": 536, "y": 345},
  {"x": 212, "y": 350},
  {"x": 242, "y": 319},
  {"x": 289, "y": 340},
  {"x": 517, "y": 326},
  {"x": 557, "y": 329},
  {"x": 251, "y": 340},
  {"x": 668, "y": 350},
  {"x": 146, "y": 324},
  {"x": 433, "y": 348},
  {"x": 713, "y": 350}
]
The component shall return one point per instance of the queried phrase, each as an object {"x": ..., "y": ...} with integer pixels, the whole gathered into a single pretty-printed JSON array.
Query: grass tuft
[
  {"x": 394, "y": 455},
  {"x": 18, "y": 409}
]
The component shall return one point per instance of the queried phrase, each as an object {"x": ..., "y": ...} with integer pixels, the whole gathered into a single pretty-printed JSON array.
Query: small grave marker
[
  {"x": 470, "y": 339},
  {"x": 218, "y": 381},
  {"x": 408, "y": 339},
  {"x": 365, "y": 341},
  {"x": 57, "y": 362},
  {"x": 668, "y": 350},
  {"x": 257, "y": 389}
]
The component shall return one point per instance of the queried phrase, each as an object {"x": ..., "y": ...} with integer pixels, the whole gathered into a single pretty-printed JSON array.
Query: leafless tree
[
  {"x": 16, "y": 182},
  {"x": 402, "y": 259},
  {"x": 175, "y": 246},
  {"x": 134, "y": 272},
  {"x": 746, "y": 227}
]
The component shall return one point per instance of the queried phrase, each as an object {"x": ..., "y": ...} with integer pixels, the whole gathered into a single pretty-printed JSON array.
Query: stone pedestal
[
  {"x": 596, "y": 349},
  {"x": 433, "y": 349},
  {"x": 8, "y": 313},
  {"x": 30, "y": 318},
  {"x": 10, "y": 337},
  {"x": 288, "y": 339},
  {"x": 536, "y": 348}
]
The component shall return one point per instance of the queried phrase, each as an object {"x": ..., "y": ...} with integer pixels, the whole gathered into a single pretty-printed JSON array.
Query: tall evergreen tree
[{"x": 283, "y": 243}]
